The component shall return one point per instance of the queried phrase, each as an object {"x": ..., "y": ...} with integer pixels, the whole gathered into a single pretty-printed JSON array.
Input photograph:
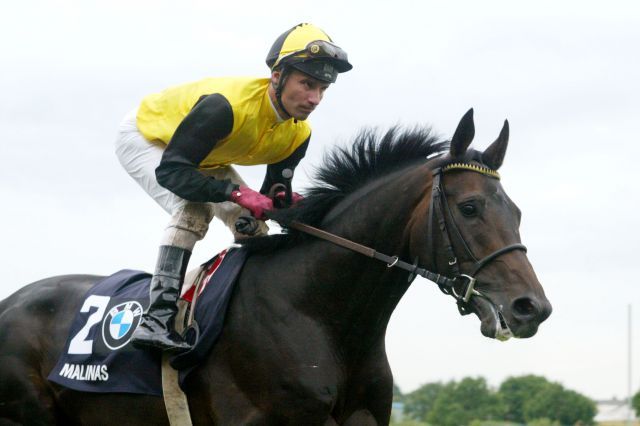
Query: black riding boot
[{"x": 157, "y": 325}]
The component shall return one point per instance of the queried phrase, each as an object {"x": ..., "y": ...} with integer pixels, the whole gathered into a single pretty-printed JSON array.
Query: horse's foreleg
[{"x": 23, "y": 395}]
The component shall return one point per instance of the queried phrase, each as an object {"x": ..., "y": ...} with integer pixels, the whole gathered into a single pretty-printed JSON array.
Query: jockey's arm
[
  {"x": 274, "y": 171},
  {"x": 210, "y": 120}
]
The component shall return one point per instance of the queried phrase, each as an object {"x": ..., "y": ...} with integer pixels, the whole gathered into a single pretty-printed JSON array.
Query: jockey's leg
[
  {"x": 187, "y": 226},
  {"x": 157, "y": 326},
  {"x": 189, "y": 223}
]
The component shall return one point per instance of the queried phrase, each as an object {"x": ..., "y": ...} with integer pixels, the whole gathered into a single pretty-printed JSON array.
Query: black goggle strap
[{"x": 284, "y": 74}]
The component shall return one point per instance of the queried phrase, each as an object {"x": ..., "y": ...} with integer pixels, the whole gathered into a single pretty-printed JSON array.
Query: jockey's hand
[
  {"x": 295, "y": 197},
  {"x": 253, "y": 201}
]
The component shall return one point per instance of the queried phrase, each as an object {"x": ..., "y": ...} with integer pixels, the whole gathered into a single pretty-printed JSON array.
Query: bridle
[
  {"x": 462, "y": 286},
  {"x": 439, "y": 216}
]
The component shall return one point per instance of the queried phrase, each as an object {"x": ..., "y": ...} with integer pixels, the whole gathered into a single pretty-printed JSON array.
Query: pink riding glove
[
  {"x": 253, "y": 201},
  {"x": 295, "y": 197}
]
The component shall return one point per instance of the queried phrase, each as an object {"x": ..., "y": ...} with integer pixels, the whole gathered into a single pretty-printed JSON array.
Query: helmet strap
[{"x": 284, "y": 75}]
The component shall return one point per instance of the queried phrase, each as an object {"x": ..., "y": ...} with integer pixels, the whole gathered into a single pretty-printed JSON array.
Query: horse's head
[
  {"x": 373, "y": 193},
  {"x": 474, "y": 228}
]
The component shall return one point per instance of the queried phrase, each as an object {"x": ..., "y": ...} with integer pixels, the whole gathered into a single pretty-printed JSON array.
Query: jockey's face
[{"x": 301, "y": 93}]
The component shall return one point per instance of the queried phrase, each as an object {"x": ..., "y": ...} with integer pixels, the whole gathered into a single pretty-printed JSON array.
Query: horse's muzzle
[
  {"x": 527, "y": 313},
  {"x": 521, "y": 319}
]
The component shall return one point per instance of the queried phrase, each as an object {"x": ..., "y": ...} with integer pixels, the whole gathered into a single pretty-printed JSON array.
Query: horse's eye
[{"x": 468, "y": 209}]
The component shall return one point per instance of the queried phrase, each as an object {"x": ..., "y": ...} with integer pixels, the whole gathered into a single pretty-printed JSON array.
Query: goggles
[{"x": 318, "y": 49}]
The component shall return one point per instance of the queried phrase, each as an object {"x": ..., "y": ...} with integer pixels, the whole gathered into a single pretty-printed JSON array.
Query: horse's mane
[{"x": 346, "y": 169}]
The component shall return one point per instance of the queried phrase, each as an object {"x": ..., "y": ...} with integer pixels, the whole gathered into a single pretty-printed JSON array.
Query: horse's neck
[
  {"x": 353, "y": 294},
  {"x": 383, "y": 214}
]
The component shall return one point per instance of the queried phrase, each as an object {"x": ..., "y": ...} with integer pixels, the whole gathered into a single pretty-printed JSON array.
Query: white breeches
[{"x": 189, "y": 220}]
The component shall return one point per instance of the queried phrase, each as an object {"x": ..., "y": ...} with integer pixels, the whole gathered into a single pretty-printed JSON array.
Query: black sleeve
[
  {"x": 210, "y": 120},
  {"x": 274, "y": 171}
]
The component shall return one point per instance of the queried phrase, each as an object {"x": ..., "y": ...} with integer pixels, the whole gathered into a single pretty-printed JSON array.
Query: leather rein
[{"x": 462, "y": 286}]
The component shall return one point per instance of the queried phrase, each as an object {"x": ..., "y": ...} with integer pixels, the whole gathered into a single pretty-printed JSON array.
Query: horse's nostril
[{"x": 525, "y": 308}]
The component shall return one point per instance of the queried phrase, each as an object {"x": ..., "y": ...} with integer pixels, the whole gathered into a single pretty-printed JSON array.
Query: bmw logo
[{"x": 120, "y": 323}]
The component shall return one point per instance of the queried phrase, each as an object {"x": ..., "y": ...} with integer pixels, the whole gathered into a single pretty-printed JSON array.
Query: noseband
[{"x": 461, "y": 286}]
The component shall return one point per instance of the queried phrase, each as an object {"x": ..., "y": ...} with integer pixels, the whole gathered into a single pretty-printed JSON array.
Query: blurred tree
[
  {"x": 543, "y": 422},
  {"x": 461, "y": 403},
  {"x": 419, "y": 403},
  {"x": 407, "y": 423},
  {"x": 516, "y": 391},
  {"x": 635, "y": 403},
  {"x": 526, "y": 399},
  {"x": 397, "y": 393},
  {"x": 556, "y": 403}
]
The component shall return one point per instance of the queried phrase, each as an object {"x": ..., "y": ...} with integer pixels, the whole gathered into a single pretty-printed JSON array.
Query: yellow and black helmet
[{"x": 307, "y": 48}]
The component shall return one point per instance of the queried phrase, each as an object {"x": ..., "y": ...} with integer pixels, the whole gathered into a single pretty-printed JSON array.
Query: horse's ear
[
  {"x": 463, "y": 135},
  {"x": 493, "y": 156}
]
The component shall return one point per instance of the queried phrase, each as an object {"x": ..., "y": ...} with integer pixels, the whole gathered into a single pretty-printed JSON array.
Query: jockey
[{"x": 180, "y": 145}]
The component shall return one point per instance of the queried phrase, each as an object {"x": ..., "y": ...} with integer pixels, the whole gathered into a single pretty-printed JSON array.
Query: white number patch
[{"x": 79, "y": 345}]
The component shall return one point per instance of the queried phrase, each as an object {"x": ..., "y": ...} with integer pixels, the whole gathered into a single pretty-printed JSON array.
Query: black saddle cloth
[{"x": 98, "y": 356}]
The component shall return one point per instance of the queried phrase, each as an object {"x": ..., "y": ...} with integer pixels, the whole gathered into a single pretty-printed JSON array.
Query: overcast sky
[{"x": 565, "y": 74}]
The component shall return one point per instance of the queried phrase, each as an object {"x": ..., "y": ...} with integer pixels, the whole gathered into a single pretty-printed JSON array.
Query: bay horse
[{"x": 304, "y": 337}]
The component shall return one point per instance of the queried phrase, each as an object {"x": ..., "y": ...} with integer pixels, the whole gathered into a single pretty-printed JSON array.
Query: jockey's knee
[{"x": 188, "y": 225}]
